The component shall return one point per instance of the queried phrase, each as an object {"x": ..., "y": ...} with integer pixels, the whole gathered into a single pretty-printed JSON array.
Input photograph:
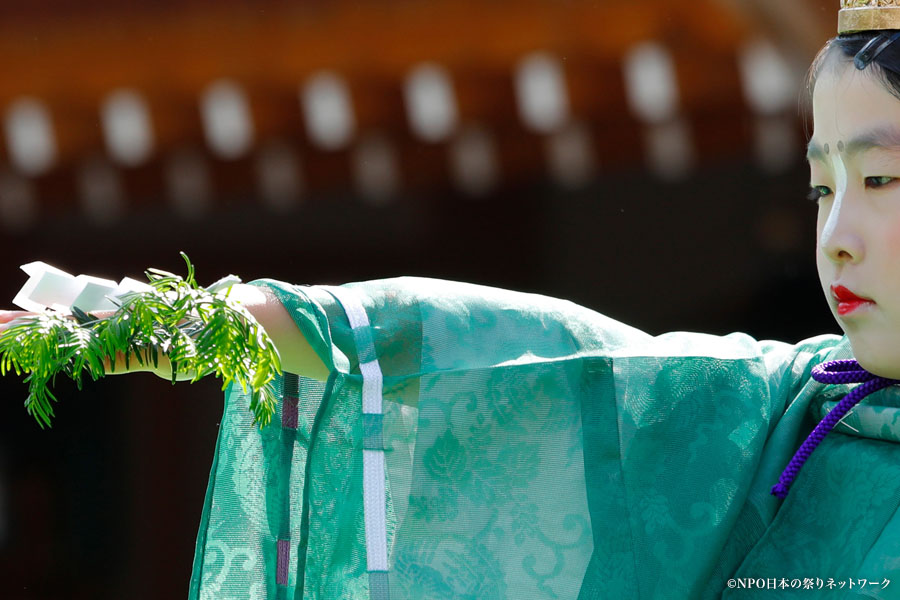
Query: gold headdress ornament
[{"x": 868, "y": 15}]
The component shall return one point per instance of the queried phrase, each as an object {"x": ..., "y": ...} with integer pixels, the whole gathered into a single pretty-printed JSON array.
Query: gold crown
[{"x": 868, "y": 15}]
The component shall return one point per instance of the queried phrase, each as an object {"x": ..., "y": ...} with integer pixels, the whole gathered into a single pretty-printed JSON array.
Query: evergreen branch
[{"x": 200, "y": 332}]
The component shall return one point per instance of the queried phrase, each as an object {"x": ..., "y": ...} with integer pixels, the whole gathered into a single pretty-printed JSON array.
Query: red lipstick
[{"x": 847, "y": 300}]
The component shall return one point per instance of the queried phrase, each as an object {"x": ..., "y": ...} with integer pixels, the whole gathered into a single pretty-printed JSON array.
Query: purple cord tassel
[{"x": 835, "y": 371}]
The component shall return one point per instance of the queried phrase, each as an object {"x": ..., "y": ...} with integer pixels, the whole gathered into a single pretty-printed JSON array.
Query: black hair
[{"x": 845, "y": 47}]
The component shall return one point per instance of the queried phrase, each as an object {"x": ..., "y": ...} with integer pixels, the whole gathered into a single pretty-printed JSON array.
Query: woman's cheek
[{"x": 892, "y": 243}]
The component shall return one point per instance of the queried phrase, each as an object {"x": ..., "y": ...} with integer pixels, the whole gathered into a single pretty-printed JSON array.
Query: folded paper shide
[
  {"x": 196, "y": 331},
  {"x": 49, "y": 287}
]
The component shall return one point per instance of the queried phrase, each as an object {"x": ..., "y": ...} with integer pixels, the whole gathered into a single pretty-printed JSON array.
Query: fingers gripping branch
[{"x": 175, "y": 328}]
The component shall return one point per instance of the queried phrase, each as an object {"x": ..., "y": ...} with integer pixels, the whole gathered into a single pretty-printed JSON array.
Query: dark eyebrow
[{"x": 887, "y": 138}]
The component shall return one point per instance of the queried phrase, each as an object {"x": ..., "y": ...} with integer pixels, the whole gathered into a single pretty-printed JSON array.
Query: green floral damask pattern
[
  {"x": 487, "y": 470},
  {"x": 536, "y": 449}
]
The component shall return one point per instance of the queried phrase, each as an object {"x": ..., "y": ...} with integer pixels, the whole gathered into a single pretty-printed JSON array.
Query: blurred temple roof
[{"x": 115, "y": 105}]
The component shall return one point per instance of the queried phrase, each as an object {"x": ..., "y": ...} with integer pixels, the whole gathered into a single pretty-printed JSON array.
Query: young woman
[{"x": 445, "y": 440}]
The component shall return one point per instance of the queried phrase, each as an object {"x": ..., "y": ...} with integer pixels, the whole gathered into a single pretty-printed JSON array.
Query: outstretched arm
[{"x": 297, "y": 356}]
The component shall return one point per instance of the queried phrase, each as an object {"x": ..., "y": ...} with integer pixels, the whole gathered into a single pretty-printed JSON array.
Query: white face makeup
[
  {"x": 854, "y": 158},
  {"x": 840, "y": 188}
]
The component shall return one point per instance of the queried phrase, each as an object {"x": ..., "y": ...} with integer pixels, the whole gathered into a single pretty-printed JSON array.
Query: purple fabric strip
[
  {"x": 289, "y": 412},
  {"x": 835, "y": 371},
  {"x": 284, "y": 558}
]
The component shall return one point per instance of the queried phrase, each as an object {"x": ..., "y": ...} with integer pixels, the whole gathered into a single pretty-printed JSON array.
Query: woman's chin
[{"x": 884, "y": 362}]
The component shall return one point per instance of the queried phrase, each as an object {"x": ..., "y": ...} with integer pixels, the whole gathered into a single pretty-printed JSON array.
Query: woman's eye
[
  {"x": 817, "y": 192},
  {"x": 877, "y": 182}
]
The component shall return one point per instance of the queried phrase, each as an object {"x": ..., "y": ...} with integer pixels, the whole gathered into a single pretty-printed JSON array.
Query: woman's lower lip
[{"x": 845, "y": 308}]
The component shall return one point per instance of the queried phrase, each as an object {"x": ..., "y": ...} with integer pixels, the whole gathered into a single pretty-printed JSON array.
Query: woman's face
[{"x": 854, "y": 158}]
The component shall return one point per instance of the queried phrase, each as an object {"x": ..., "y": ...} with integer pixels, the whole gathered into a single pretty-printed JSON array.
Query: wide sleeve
[{"x": 477, "y": 443}]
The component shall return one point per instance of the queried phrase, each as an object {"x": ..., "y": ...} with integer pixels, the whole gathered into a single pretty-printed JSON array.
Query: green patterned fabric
[{"x": 535, "y": 449}]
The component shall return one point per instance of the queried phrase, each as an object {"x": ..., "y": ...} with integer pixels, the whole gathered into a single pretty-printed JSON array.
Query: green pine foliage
[{"x": 201, "y": 332}]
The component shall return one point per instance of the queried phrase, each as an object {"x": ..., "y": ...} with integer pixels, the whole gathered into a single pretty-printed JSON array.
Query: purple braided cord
[{"x": 835, "y": 371}]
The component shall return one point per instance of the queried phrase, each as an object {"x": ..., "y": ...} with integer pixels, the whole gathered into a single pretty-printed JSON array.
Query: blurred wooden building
[{"x": 111, "y": 107}]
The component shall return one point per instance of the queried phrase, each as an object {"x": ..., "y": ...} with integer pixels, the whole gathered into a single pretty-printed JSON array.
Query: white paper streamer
[{"x": 49, "y": 287}]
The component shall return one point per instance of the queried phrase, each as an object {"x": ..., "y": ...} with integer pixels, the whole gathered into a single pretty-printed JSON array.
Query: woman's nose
[{"x": 840, "y": 239}]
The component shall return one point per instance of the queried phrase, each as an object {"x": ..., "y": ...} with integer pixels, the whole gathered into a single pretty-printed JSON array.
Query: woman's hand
[
  {"x": 7, "y": 316},
  {"x": 297, "y": 356},
  {"x": 163, "y": 369}
]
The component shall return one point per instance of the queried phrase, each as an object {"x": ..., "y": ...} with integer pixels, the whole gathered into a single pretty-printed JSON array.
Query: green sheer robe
[{"x": 474, "y": 443}]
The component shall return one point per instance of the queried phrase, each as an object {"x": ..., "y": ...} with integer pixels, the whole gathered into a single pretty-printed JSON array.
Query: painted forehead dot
[
  {"x": 840, "y": 146},
  {"x": 827, "y": 149}
]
